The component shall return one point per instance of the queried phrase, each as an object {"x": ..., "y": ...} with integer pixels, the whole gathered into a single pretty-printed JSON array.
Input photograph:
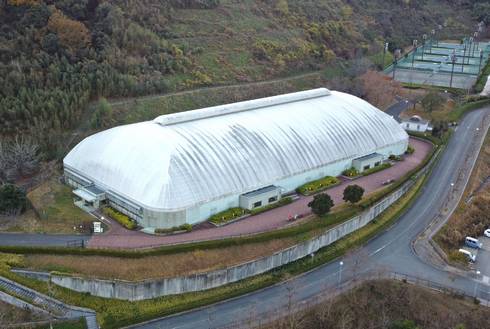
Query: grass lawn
[{"x": 57, "y": 213}]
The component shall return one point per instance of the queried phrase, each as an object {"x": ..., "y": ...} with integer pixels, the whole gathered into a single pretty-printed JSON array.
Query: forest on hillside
[{"x": 58, "y": 56}]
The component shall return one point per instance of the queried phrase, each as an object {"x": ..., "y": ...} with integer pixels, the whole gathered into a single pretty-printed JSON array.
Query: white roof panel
[{"x": 179, "y": 160}]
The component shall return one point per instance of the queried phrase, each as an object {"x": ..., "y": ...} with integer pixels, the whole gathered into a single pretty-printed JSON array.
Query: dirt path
[
  {"x": 119, "y": 237},
  {"x": 122, "y": 101}
]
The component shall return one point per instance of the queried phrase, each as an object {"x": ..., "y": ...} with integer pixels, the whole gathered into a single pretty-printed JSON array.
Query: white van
[
  {"x": 473, "y": 243},
  {"x": 468, "y": 255}
]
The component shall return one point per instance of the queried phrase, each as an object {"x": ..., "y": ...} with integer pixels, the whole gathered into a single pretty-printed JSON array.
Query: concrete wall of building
[
  {"x": 249, "y": 201},
  {"x": 415, "y": 126},
  {"x": 202, "y": 212},
  {"x": 212, "y": 279},
  {"x": 362, "y": 164}
]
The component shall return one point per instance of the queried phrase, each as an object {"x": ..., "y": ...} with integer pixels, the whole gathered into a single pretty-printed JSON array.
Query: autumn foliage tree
[
  {"x": 379, "y": 89},
  {"x": 72, "y": 34}
]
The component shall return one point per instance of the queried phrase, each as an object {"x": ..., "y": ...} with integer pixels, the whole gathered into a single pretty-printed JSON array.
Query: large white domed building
[{"x": 185, "y": 167}]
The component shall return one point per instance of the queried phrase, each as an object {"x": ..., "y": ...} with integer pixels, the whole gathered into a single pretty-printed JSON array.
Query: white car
[{"x": 487, "y": 233}]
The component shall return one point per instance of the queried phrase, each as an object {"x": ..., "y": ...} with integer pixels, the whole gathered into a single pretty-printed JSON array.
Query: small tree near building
[
  {"x": 353, "y": 193},
  {"x": 432, "y": 101},
  {"x": 12, "y": 199},
  {"x": 321, "y": 204}
]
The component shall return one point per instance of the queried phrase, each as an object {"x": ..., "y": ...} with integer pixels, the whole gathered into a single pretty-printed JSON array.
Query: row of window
[{"x": 259, "y": 203}]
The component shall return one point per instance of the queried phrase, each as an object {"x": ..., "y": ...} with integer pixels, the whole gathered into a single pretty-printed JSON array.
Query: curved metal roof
[{"x": 183, "y": 159}]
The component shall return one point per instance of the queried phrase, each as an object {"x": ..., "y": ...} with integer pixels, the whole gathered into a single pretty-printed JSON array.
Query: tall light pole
[
  {"x": 433, "y": 34},
  {"x": 385, "y": 49},
  {"x": 340, "y": 271},
  {"x": 476, "y": 285},
  {"x": 475, "y": 38},
  {"x": 453, "y": 60},
  {"x": 481, "y": 58},
  {"x": 464, "y": 55},
  {"x": 439, "y": 27},
  {"x": 469, "y": 50},
  {"x": 413, "y": 60},
  {"x": 475, "y": 45},
  {"x": 396, "y": 55}
]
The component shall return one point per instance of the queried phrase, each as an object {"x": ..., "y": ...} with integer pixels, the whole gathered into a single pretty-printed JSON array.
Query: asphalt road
[
  {"x": 389, "y": 251},
  {"x": 396, "y": 109},
  {"x": 35, "y": 239}
]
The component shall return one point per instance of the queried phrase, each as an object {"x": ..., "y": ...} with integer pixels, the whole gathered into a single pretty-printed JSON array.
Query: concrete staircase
[{"x": 55, "y": 307}]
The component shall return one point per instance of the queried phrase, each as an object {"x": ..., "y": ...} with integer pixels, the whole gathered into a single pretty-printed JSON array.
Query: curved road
[{"x": 389, "y": 251}]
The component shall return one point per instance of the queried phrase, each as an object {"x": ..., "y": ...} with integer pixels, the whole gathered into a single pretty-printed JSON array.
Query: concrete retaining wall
[{"x": 155, "y": 288}]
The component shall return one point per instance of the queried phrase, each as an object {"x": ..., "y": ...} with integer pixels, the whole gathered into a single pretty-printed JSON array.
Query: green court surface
[{"x": 432, "y": 64}]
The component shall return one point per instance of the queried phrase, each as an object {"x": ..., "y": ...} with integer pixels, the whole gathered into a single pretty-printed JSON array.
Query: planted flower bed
[
  {"x": 318, "y": 185},
  {"x": 227, "y": 215},
  {"x": 120, "y": 218}
]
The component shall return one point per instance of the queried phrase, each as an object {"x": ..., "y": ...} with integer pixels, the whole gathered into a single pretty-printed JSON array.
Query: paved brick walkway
[{"x": 118, "y": 237}]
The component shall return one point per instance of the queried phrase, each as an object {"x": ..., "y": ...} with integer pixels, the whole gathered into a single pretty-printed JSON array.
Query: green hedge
[
  {"x": 227, "y": 215},
  {"x": 318, "y": 185},
  {"x": 282, "y": 202},
  {"x": 120, "y": 218}
]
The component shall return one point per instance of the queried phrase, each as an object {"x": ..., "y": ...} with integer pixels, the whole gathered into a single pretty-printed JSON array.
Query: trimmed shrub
[
  {"x": 227, "y": 215},
  {"x": 353, "y": 193},
  {"x": 409, "y": 150},
  {"x": 119, "y": 217},
  {"x": 321, "y": 204},
  {"x": 351, "y": 172}
]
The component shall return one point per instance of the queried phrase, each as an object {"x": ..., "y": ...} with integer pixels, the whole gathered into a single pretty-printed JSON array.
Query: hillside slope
[{"x": 56, "y": 56}]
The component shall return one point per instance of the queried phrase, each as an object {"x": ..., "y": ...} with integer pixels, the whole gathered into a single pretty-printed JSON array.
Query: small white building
[
  {"x": 367, "y": 162},
  {"x": 415, "y": 123}
]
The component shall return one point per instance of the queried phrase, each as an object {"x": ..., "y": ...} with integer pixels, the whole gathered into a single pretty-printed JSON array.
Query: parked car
[
  {"x": 472, "y": 243},
  {"x": 487, "y": 233},
  {"x": 471, "y": 257}
]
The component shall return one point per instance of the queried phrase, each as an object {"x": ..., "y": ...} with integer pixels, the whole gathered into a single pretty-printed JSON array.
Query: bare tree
[{"x": 18, "y": 158}]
